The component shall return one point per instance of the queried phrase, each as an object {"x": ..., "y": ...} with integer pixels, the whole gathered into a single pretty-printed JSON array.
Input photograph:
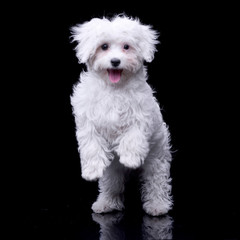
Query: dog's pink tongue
[{"x": 114, "y": 75}]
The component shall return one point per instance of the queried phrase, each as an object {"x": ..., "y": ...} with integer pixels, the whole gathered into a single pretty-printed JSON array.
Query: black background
[{"x": 192, "y": 75}]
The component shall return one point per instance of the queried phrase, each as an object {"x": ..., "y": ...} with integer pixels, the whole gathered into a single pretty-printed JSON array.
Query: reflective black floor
[{"x": 78, "y": 222}]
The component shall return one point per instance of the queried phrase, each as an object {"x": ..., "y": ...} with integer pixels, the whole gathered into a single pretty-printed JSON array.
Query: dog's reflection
[
  {"x": 153, "y": 228},
  {"x": 110, "y": 225}
]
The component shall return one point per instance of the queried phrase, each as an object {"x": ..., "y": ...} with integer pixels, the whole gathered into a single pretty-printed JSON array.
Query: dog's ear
[
  {"x": 148, "y": 42},
  {"x": 85, "y": 36}
]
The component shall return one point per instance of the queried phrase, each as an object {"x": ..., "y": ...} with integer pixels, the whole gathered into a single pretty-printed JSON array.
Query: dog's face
[
  {"x": 114, "y": 48},
  {"x": 116, "y": 58}
]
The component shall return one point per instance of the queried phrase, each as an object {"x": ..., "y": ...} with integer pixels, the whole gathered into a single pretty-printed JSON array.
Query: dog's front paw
[
  {"x": 130, "y": 161},
  {"x": 93, "y": 168},
  {"x": 92, "y": 174}
]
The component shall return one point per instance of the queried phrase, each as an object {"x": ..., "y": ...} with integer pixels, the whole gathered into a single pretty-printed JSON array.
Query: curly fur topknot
[{"x": 90, "y": 35}]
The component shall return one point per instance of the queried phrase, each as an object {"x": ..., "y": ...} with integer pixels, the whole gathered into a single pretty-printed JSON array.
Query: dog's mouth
[{"x": 114, "y": 75}]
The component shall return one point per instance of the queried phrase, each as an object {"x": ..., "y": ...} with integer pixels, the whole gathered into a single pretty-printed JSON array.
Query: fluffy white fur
[{"x": 119, "y": 125}]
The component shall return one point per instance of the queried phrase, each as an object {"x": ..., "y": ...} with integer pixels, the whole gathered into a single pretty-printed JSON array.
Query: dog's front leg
[
  {"x": 94, "y": 153},
  {"x": 133, "y": 148}
]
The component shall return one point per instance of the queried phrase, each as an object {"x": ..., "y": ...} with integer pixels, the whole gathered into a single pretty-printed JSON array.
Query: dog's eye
[
  {"x": 126, "y": 46},
  {"x": 104, "y": 46}
]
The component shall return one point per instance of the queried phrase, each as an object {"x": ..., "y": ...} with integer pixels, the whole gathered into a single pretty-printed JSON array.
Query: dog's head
[{"x": 114, "y": 47}]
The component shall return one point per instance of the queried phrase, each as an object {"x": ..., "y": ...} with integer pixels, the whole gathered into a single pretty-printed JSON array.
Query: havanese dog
[{"x": 119, "y": 125}]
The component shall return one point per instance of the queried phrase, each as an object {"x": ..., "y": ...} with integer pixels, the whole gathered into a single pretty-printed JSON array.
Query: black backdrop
[{"x": 186, "y": 74}]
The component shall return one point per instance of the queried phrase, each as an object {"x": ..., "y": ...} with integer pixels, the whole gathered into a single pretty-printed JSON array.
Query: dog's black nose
[{"x": 115, "y": 62}]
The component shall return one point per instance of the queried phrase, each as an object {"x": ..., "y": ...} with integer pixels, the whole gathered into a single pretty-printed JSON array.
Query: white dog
[{"x": 119, "y": 125}]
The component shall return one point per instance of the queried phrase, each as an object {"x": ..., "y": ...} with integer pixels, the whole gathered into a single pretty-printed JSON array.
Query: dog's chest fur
[{"x": 114, "y": 113}]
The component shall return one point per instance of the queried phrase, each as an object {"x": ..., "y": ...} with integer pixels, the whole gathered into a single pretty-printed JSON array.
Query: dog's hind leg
[
  {"x": 156, "y": 185},
  {"x": 111, "y": 188}
]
